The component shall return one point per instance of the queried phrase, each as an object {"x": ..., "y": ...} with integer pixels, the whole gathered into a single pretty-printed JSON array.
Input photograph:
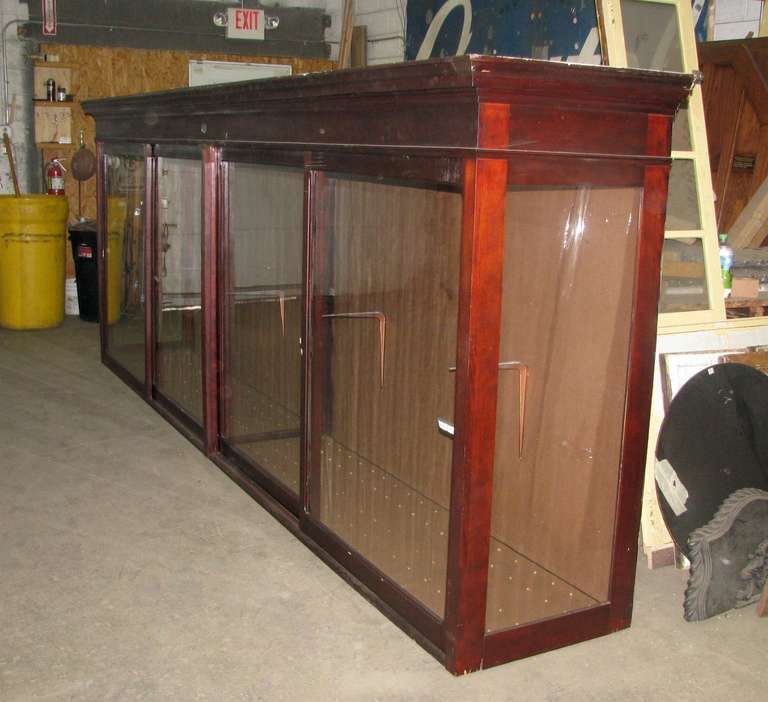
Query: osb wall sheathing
[{"x": 107, "y": 72}]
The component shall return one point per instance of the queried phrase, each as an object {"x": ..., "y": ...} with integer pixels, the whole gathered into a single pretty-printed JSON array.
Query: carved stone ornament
[{"x": 729, "y": 556}]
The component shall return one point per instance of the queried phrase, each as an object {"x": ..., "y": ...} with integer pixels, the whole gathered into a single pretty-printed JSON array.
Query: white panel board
[{"x": 210, "y": 72}]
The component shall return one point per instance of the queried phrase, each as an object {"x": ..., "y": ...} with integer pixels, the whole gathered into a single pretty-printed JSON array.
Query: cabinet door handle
[
  {"x": 445, "y": 426},
  {"x": 382, "y": 318}
]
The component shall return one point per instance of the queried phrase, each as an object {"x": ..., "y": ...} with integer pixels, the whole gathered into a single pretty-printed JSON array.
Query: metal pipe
[
  {"x": 376, "y": 40},
  {"x": 6, "y": 106}
]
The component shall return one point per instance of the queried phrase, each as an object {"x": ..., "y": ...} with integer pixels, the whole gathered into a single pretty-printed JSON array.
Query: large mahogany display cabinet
[{"x": 410, "y": 309}]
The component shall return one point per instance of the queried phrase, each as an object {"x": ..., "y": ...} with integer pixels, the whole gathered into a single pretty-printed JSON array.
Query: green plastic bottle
[{"x": 726, "y": 265}]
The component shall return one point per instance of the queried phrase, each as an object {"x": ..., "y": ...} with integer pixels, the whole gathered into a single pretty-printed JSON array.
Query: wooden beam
[
  {"x": 359, "y": 46},
  {"x": 755, "y": 82},
  {"x": 751, "y": 226},
  {"x": 725, "y": 162},
  {"x": 741, "y": 57},
  {"x": 345, "y": 45},
  {"x": 763, "y": 32}
]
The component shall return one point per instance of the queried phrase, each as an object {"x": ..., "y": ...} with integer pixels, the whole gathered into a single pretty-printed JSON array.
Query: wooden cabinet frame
[
  {"x": 697, "y": 156},
  {"x": 477, "y": 126}
]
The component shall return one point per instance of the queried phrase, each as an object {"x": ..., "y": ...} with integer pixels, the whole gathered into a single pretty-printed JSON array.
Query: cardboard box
[{"x": 745, "y": 287}]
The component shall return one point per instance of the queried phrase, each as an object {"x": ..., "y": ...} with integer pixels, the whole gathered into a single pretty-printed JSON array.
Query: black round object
[{"x": 715, "y": 437}]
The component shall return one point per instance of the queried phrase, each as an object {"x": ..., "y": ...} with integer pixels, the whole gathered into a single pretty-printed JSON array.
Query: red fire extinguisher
[{"x": 54, "y": 177}]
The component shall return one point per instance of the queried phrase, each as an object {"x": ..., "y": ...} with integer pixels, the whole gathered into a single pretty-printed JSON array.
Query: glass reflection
[
  {"x": 178, "y": 352},
  {"x": 681, "y": 131},
  {"x": 569, "y": 253},
  {"x": 683, "y": 277},
  {"x": 652, "y": 35},
  {"x": 125, "y": 186},
  {"x": 682, "y": 200},
  {"x": 263, "y": 308},
  {"x": 386, "y": 262}
]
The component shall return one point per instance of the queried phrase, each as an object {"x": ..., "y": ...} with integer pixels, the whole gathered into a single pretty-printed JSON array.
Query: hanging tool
[
  {"x": 9, "y": 151},
  {"x": 83, "y": 167}
]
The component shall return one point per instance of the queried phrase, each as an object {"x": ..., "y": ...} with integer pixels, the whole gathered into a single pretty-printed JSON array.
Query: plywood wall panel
[{"x": 108, "y": 72}]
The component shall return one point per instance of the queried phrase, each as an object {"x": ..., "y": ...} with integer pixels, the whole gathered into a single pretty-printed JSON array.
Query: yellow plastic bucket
[
  {"x": 117, "y": 211},
  {"x": 33, "y": 231}
]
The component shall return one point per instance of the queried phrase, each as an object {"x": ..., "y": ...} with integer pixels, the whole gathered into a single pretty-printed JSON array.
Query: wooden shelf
[
  {"x": 746, "y": 307},
  {"x": 61, "y": 73},
  {"x": 53, "y": 122}
]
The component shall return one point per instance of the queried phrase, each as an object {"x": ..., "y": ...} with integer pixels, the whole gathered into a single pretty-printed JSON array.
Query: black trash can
[{"x": 84, "y": 252}]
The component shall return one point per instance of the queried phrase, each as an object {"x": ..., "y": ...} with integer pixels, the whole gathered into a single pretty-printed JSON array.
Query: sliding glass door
[
  {"x": 178, "y": 279},
  {"x": 125, "y": 182},
  {"x": 263, "y": 300}
]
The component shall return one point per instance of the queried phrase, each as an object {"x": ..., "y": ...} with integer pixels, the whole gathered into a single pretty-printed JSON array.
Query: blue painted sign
[
  {"x": 700, "y": 17},
  {"x": 560, "y": 30},
  {"x": 547, "y": 29}
]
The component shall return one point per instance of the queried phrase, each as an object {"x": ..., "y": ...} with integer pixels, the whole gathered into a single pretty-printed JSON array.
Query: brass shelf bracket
[
  {"x": 524, "y": 371},
  {"x": 382, "y": 319},
  {"x": 281, "y": 301},
  {"x": 281, "y": 298}
]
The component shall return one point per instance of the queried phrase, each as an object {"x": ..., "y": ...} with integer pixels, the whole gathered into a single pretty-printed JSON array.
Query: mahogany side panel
[
  {"x": 546, "y": 635},
  {"x": 658, "y": 137},
  {"x": 638, "y": 403},
  {"x": 559, "y": 169},
  {"x": 540, "y": 128}
]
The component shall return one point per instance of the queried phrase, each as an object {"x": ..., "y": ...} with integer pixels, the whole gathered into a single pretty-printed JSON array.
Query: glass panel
[
  {"x": 681, "y": 131},
  {"x": 682, "y": 201},
  {"x": 387, "y": 261},
  {"x": 651, "y": 35},
  {"x": 178, "y": 360},
  {"x": 683, "y": 278},
  {"x": 263, "y": 307},
  {"x": 125, "y": 185},
  {"x": 569, "y": 257}
]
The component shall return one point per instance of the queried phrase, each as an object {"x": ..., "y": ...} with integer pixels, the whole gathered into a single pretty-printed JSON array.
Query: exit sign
[{"x": 245, "y": 23}]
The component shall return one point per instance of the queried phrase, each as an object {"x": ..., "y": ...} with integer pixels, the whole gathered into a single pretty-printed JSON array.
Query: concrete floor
[{"x": 131, "y": 568}]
